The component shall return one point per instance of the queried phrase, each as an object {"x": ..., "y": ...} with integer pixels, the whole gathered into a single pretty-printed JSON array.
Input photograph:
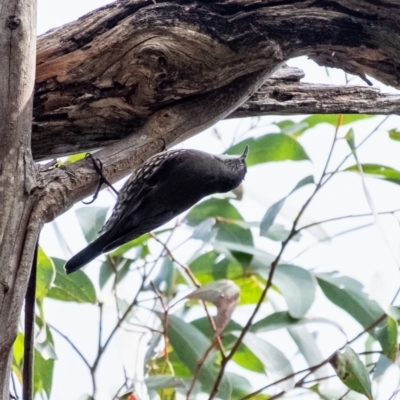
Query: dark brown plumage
[{"x": 166, "y": 185}]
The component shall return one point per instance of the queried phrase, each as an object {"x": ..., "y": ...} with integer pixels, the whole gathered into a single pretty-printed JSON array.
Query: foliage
[{"x": 186, "y": 355}]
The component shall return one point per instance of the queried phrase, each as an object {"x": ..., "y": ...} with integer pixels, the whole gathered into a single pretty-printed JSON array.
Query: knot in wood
[{"x": 13, "y": 22}]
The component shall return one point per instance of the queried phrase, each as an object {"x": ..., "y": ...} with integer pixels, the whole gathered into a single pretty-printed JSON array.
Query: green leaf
[
  {"x": 274, "y": 210},
  {"x": 45, "y": 274},
  {"x": 247, "y": 359},
  {"x": 202, "y": 267},
  {"x": 91, "y": 220},
  {"x": 394, "y": 134},
  {"x": 386, "y": 333},
  {"x": 156, "y": 382},
  {"x": 350, "y": 140},
  {"x": 243, "y": 356},
  {"x": 75, "y": 287},
  {"x": 18, "y": 350},
  {"x": 227, "y": 269},
  {"x": 232, "y": 233},
  {"x": 203, "y": 324},
  {"x": 191, "y": 345},
  {"x": 46, "y": 344},
  {"x": 140, "y": 241},
  {"x": 106, "y": 270},
  {"x": 350, "y": 299},
  {"x": 278, "y": 320},
  {"x": 332, "y": 119},
  {"x": 351, "y": 371},
  {"x": 378, "y": 171},
  {"x": 296, "y": 284},
  {"x": 43, "y": 374},
  {"x": 296, "y": 129},
  {"x": 260, "y": 255},
  {"x": 277, "y": 366},
  {"x": 240, "y": 385},
  {"x": 204, "y": 230},
  {"x": 394, "y": 312},
  {"x": 308, "y": 347},
  {"x": 279, "y": 233},
  {"x": 212, "y": 208},
  {"x": 250, "y": 290},
  {"x": 289, "y": 127},
  {"x": 72, "y": 158},
  {"x": 381, "y": 366},
  {"x": 165, "y": 276},
  {"x": 271, "y": 147},
  {"x": 220, "y": 217},
  {"x": 269, "y": 217}
]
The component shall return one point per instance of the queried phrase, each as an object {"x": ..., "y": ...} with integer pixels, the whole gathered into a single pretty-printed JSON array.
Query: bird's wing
[
  {"x": 145, "y": 226},
  {"x": 126, "y": 223}
]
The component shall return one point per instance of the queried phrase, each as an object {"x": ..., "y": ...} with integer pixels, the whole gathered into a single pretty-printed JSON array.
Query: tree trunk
[{"x": 18, "y": 232}]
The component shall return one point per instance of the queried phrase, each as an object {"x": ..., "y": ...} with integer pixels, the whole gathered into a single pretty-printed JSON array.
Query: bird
[{"x": 166, "y": 185}]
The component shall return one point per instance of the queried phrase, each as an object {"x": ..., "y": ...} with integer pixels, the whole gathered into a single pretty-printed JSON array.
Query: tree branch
[
  {"x": 285, "y": 97},
  {"x": 59, "y": 189},
  {"x": 101, "y": 78}
]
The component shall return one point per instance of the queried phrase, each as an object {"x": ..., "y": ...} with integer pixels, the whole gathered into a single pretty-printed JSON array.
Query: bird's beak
[{"x": 246, "y": 151}]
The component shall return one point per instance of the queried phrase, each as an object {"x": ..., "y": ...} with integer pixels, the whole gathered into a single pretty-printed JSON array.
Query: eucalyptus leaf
[
  {"x": 191, "y": 345},
  {"x": 354, "y": 302},
  {"x": 212, "y": 208},
  {"x": 272, "y": 212},
  {"x": 43, "y": 374},
  {"x": 351, "y": 371},
  {"x": 297, "y": 286},
  {"x": 270, "y": 147},
  {"x": 156, "y": 382},
  {"x": 76, "y": 287},
  {"x": 387, "y": 334},
  {"x": 378, "y": 171},
  {"x": 394, "y": 134},
  {"x": 381, "y": 366},
  {"x": 276, "y": 364},
  {"x": 45, "y": 274}
]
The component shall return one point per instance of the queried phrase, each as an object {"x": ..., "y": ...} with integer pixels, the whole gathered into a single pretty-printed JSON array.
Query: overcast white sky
[{"x": 363, "y": 255}]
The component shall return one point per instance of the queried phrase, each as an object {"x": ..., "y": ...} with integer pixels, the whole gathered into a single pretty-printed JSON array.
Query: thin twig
[
  {"x": 183, "y": 266},
  {"x": 330, "y": 175},
  {"x": 186, "y": 268},
  {"x": 67, "y": 339},
  {"x": 345, "y": 217},
  {"x": 198, "y": 369},
  {"x": 100, "y": 326},
  {"x": 78, "y": 352},
  {"x": 164, "y": 321}
]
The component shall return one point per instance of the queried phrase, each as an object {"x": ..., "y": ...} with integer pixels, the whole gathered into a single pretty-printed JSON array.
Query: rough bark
[
  {"x": 281, "y": 97},
  {"x": 18, "y": 230},
  {"x": 100, "y": 78}
]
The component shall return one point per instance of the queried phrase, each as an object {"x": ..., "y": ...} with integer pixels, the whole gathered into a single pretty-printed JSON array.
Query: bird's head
[{"x": 236, "y": 165}]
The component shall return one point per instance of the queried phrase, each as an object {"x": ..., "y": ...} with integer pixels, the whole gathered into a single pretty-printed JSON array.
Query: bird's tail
[{"x": 86, "y": 255}]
